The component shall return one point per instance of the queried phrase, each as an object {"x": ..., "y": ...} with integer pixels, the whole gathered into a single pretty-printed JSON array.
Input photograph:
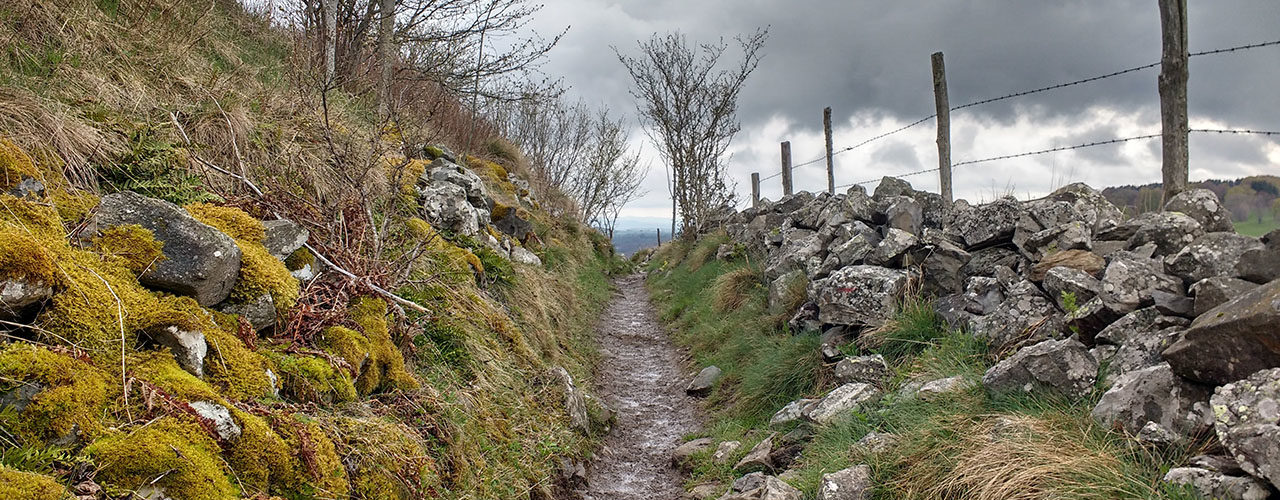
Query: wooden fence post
[
  {"x": 786, "y": 168},
  {"x": 826, "y": 130},
  {"x": 755, "y": 189},
  {"x": 1173, "y": 96},
  {"x": 944, "y": 125},
  {"x": 659, "y": 236}
]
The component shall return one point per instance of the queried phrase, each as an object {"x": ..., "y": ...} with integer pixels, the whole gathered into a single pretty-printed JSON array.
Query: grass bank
[{"x": 962, "y": 445}]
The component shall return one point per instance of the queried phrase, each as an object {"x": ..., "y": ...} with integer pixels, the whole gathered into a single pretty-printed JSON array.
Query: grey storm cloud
[{"x": 869, "y": 59}]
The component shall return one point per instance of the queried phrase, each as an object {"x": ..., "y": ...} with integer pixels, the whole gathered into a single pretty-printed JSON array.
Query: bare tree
[
  {"x": 610, "y": 178},
  {"x": 690, "y": 109}
]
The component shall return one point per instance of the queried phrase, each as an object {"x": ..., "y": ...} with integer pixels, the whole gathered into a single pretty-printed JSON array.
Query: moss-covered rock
[
  {"x": 384, "y": 460},
  {"x": 385, "y": 371},
  {"x": 261, "y": 458},
  {"x": 176, "y": 451},
  {"x": 17, "y": 484},
  {"x": 310, "y": 379},
  {"x": 134, "y": 245},
  {"x": 260, "y": 272},
  {"x": 160, "y": 369},
  {"x": 15, "y": 165},
  {"x": 236, "y": 371},
  {"x": 71, "y": 398},
  {"x": 315, "y": 462}
]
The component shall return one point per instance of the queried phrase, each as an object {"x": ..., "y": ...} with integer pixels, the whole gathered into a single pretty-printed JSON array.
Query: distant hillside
[
  {"x": 1247, "y": 198},
  {"x": 633, "y": 240}
]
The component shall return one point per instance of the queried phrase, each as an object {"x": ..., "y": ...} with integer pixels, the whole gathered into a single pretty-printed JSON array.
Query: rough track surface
[{"x": 641, "y": 378}]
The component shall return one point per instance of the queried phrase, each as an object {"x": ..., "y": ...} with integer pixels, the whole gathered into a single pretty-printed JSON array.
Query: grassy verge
[
  {"x": 1255, "y": 227},
  {"x": 967, "y": 444}
]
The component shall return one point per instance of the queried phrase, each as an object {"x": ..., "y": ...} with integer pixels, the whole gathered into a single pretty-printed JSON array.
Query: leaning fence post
[
  {"x": 755, "y": 190},
  {"x": 786, "y": 168},
  {"x": 1173, "y": 96},
  {"x": 826, "y": 130},
  {"x": 944, "y": 125}
]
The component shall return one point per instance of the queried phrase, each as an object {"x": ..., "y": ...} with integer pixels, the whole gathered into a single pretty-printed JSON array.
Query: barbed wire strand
[{"x": 1233, "y": 131}]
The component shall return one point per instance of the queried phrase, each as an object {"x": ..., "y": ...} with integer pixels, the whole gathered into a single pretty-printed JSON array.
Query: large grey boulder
[
  {"x": 1065, "y": 284},
  {"x": 984, "y": 262},
  {"x": 445, "y": 171},
  {"x": 799, "y": 246},
  {"x": 1025, "y": 315},
  {"x": 781, "y": 288},
  {"x": 702, "y": 384},
  {"x": 282, "y": 237},
  {"x": 260, "y": 312},
  {"x": 904, "y": 214},
  {"x": 986, "y": 225},
  {"x": 1260, "y": 265},
  {"x": 1233, "y": 340},
  {"x": 858, "y": 295},
  {"x": 1168, "y": 231},
  {"x": 853, "y": 483},
  {"x": 1094, "y": 208},
  {"x": 1214, "y": 254},
  {"x": 866, "y": 369},
  {"x": 199, "y": 261},
  {"x": 1202, "y": 206},
  {"x": 854, "y": 250},
  {"x": 1064, "y": 367},
  {"x": 1213, "y": 484},
  {"x": 1152, "y": 394},
  {"x": 842, "y": 402},
  {"x": 1213, "y": 292},
  {"x": 1247, "y": 421}
]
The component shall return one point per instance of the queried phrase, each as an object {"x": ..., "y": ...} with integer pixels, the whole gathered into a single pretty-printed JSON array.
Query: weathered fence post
[
  {"x": 659, "y": 236},
  {"x": 944, "y": 125},
  {"x": 786, "y": 168},
  {"x": 826, "y": 130},
  {"x": 755, "y": 190},
  {"x": 1173, "y": 96}
]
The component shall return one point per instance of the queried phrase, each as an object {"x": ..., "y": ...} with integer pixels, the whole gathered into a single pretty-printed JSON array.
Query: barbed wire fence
[{"x": 788, "y": 168}]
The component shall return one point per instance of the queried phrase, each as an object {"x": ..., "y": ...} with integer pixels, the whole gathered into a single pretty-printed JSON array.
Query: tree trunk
[
  {"x": 386, "y": 55},
  {"x": 330, "y": 41}
]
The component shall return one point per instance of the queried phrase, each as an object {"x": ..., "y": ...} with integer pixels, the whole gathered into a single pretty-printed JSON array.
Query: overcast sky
[{"x": 869, "y": 61}]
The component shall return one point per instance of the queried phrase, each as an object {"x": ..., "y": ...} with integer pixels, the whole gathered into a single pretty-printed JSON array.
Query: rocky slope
[{"x": 1171, "y": 316}]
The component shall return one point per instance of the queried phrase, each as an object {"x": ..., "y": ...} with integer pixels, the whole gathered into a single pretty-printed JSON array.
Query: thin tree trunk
[
  {"x": 386, "y": 55},
  {"x": 330, "y": 41}
]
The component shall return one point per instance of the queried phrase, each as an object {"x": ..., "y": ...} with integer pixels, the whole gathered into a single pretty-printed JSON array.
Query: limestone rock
[
  {"x": 283, "y": 237},
  {"x": 987, "y": 225},
  {"x": 1214, "y": 254},
  {"x": 1260, "y": 265},
  {"x": 725, "y": 450},
  {"x": 702, "y": 384},
  {"x": 1213, "y": 292},
  {"x": 942, "y": 264},
  {"x": 895, "y": 243},
  {"x": 1247, "y": 421},
  {"x": 1210, "y": 484},
  {"x": 841, "y": 402},
  {"x": 853, "y": 483},
  {"x": 1202, "y": 206},
  {"x": 188, "y": 347},
  {"x": 1168, "y": 231},
  {"x": 1152, "y": 394},
  {"x": 858, "y": 295},
  {"x": 260, "y": 312},
  {"x": 876, "y": 442},
  {"x": 1061, "y": 366},
  {"x": 937, "y": 389},
  {"x": 218, "y": 415},
  {"x": 1130, "y": 280},
  {"x": 681, "y": 457},
  {"x": 1063, "y": 282},
  {"x": 574, "y": 401},
  {"x": 769, "y": 488},
  {"x": 1233, "y": 340},
  {"x": 18, "y": 297},
  {"x": 866, "y": 369},
  {"x": 792, "y": 412},
  {"x": 522, "y": 255},
  {"x": 199, "y": 261},
  {"x": 757, "y": 459},
  {"x": 798, "y": 246}
]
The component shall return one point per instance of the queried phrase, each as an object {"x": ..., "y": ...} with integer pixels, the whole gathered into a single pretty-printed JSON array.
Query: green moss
[
  {"x": 38, "y": 219},
  {"x": 299, "y": 259},
  {"x": 238, "y": 372},
  {"x": 233, "y": 221},
  {"x": 177, "y": 452},
  {"x": 312, "y": 380},
  {"x": 386, "y": 370},
  {"x": 260, "y": 272},
  {"x": 21, "y": 256},
  {"x": 14, "y": 165},
  {"x": 347, "y": 344},
  {"x": 384, "y": 460},
  {"x": 73, "y": 207},
  {"x": 135, "y": 245},
  {"x": 315, "y": 460},
  {"x": 71, "y": 401},
  {"x": 433, "y": 152},
  {"x": 260, "y": 458},
  {"x": 160, "y": 369},
  {"x": 27, "y": 486}
]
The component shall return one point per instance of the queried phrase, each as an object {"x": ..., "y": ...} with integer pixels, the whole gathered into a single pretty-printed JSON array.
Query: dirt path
[{"x": 641, "y": 378}]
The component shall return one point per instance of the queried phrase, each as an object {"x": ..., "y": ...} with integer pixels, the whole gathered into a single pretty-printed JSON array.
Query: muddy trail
[{"x": 641, "y": 378}]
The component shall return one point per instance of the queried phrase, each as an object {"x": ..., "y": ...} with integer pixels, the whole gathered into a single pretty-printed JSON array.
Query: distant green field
[{"x": 1252, "y": 227}]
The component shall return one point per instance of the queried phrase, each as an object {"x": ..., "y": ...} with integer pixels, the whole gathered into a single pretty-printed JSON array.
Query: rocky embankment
[{"x": 1173, "y": 314}]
